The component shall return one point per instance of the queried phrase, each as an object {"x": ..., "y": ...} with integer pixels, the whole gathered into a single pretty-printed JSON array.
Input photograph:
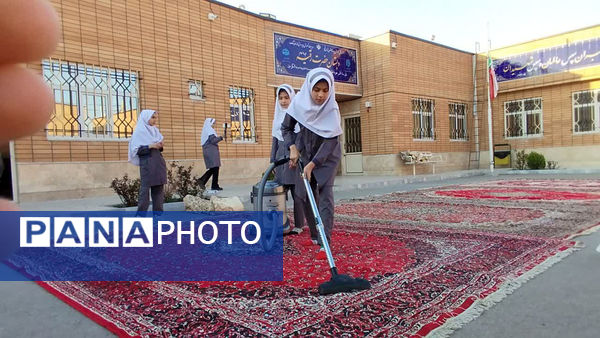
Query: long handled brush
[{"x": 337, "y": 283}]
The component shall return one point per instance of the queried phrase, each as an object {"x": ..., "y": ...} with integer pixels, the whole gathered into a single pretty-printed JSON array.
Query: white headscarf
[
  {"x": 280, "y": 112},
  {"x": 143, "y": 135},
  {"x": 207, "y": 130},
  {"x": 323, "y": 120}
]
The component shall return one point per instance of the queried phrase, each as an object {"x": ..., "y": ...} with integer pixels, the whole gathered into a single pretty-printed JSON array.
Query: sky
[{"x": 458, "y": 24}]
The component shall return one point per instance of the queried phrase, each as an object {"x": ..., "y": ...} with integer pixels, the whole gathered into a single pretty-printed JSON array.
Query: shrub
[
  {"x": 521, "y": 162},
  {"x": 180, "y": 183},
  {"x": 183, "y": 181},
  {"x": 170, "y": 186},
  {"x": 127, "y": 189},
  {"x": 271, "y": 176},
  {"x": 536, "y": 161},
  {"x": 552, "y": 165}
]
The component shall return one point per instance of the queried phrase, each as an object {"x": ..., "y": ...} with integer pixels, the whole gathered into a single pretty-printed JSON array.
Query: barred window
[
  {"x": 458, "y": 121},
  {"x": 196, "y": 89},
  {"x": 523, "y": 118},
  {"x": 241, "y": 110},
  {"x": 586, "y": 111},
  {"x": 423, "y": 118},
  {"x": 352, "y": 139},
  {"x": 91, "y": 102}
]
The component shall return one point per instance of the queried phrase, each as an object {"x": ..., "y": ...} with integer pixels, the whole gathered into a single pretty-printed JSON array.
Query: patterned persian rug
[
  {"x": 436, "y": 259},
  {"x": 544, "y": 208}
]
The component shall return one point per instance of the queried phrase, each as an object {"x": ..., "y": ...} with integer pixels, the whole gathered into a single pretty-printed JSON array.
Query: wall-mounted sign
[
  {"x": 296, "y": 57},
  {"x": 572, "y": 55}
]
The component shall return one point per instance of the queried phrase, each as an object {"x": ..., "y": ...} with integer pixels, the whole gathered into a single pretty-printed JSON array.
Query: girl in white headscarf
[
  {"x": 145, "y": 149},
  {"x": 285, "y": 175},
  {"x": 317, "y": 144},
  {"x": 210, "y": 152}
]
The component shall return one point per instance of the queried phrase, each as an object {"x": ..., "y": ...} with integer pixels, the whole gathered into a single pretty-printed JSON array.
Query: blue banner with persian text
[
  {"x": 296, "y": 57},
  {"x": 572, "y": 55}
]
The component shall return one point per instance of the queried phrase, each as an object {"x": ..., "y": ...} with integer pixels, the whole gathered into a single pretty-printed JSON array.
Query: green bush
[
  {"x": 170, "y": 186},
  {"x": 536, "y": 161},
  {"x": 271, "y": 176},
  {"x": 184, "y": 183},
  {"x": 521, "y": 162},
  {"x": 180, "y": 182},
  {"x": 127, "y": 189}
]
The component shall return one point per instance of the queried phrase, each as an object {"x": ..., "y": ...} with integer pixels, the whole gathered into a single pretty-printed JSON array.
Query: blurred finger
[
  {"x": 25, "y": 102},
  {"x": 29, "y": 30},
  {"x": 6, "y": 205}
]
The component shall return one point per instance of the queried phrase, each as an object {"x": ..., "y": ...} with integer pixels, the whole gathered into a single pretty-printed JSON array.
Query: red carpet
[
  {"x": 541, "y": 208},
  {"x": 430, "y": 255},
  {"x": 419, "y": 278}
]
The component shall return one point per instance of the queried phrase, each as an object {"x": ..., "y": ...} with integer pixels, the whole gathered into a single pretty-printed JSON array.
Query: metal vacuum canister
[{"x": 274, "y": 198}]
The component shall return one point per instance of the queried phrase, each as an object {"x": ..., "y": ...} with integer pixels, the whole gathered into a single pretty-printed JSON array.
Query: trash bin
[
  {"x": 502, "y": 156},
  {"x": 274, "y": 198}
]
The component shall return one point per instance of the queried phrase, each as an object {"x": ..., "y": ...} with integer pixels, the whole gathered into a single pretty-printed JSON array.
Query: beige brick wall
[
  {"x": 414, "y": 69},
  {"x": 169, "y": 44}
]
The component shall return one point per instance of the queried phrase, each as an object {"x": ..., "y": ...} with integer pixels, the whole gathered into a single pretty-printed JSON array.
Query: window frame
[
  {"x": 464, "y": 119},
  {"x": 238, "y": 103},
  {"x": 595, "y": 107},
  {"x": 422, "y": 117},
  {"x": 200, "y": 85},
  {"x": 522, "y": 114},
  {"x": 98, "y": 82}
]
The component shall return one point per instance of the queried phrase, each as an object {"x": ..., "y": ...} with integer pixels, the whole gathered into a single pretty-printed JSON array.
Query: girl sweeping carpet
[{"x": 317, "y": 144}]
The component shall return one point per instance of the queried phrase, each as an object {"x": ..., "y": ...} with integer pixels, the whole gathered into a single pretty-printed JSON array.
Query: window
[
  {"x": 586, "y": 111},
  {"x": 241, "y": 110},
  {"x": 523, "y": 118},
  {"x": 458, "y": 121},
  {"x": 91, "y": 102},
  {"x": 196, "y": 89},
  {"x": 423, "y": 111},
  {"x": 353, "y": 141}
]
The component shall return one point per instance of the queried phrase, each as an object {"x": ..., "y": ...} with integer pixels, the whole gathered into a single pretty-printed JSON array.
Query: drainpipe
[
  {"x": 475, "y": 118},
  {"x": 13, "y": 171}
]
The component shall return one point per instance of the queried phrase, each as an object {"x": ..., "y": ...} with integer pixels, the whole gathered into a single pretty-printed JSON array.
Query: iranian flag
[{"x": 493, "y": 84}]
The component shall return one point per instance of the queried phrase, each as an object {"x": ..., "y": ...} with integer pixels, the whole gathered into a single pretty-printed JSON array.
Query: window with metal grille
[
  {"x": 91, "y": 102},
  {"x": 458, "y": 120},
  {"x": 196, "y": 89},
  {"x": 353, "y": 143},
  {"x": 586, "y": 111},
  {"x": 241, "y": 110},
  {"x": 523, "y": 118},
  {"x": 423, "y": 118}
]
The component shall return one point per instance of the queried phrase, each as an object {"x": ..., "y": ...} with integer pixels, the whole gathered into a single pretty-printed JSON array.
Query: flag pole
[{"x": 489, "y": 112}]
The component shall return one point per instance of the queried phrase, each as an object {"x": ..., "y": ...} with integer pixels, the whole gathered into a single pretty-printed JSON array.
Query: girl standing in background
[
  {"x": 145, "y": 150},
  {"x": 285, "y": 175}
]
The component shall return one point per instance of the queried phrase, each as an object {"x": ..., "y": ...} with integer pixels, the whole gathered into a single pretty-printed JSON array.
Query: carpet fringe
[
  {"x": 585, "y": 232},
  {"x": 481, "y": 305}
]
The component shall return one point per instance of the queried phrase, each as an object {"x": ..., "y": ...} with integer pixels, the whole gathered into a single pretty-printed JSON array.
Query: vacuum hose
[{"x": 267, "y": 243}]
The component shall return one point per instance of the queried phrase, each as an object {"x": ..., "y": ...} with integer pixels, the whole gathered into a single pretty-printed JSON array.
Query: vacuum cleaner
[
  {"x": 338, "y": 282},
  {"x": 267, "y": 241}
]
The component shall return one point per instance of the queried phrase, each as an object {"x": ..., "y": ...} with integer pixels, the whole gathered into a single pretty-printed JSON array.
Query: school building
[{"x": 197, "y": 59}]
